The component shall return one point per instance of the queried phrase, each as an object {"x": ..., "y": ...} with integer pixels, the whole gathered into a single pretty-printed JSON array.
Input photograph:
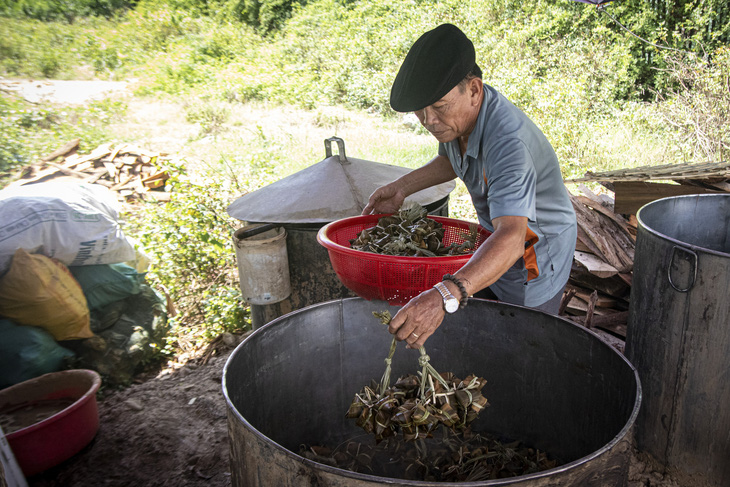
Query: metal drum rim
[{"x": 681, "y": 243}]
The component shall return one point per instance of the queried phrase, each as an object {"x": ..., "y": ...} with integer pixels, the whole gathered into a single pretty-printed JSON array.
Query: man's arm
[
  {"x": 495, "y": 256},
  {"x": 423, "y": 314},
  {"x": 389, "y": 198}
]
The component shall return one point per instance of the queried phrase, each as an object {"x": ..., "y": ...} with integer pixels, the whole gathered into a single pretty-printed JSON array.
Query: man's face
[{"x": 452, "y": 116}]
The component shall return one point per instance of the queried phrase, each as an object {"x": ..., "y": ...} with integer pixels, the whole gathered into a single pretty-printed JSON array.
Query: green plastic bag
[
  {"x": 27, "y": 352},
  {"x": 107, "y": 283}
]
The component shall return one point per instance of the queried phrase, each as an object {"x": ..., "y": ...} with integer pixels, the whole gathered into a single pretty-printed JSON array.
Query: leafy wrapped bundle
[
  {"x": 410, "y": 233},
  {"x": 454, "y": 404},
  {"x": 416, "y": 405}
]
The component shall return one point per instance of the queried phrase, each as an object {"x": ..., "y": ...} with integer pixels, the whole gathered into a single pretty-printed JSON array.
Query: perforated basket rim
[{"x": 324, "y": 239}]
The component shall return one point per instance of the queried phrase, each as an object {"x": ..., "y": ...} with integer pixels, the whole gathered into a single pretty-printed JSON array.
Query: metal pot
[
  {"x": 678, "y": 335},
  {"x": 551, "y": 384}
]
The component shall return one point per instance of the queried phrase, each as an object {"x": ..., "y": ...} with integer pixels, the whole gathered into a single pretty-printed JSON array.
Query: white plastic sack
[{"x": 76, "y": 223}]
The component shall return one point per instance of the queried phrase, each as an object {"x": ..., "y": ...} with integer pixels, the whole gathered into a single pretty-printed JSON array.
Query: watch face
[{"x": 451, "y": 305}]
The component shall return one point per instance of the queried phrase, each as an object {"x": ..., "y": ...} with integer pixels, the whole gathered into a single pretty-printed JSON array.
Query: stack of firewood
[
  {"x": 130, "y": 172},
  {"x": 598, "y": 291}
]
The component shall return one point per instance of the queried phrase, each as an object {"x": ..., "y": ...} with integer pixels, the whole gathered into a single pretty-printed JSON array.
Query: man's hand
[
  {"x": 418, "y": 319},
  {"x": 385, "y": 199}
]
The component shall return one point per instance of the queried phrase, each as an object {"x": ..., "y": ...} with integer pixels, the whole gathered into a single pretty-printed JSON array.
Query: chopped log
[
  {"x": 68, "y": 171},
  {"x": 620, "y": 221},
  {"x": 587, "y": 242},
  {"x": 95, "y": 176},
  {"x": 577, "y": 306},
  {"x": 63, "y": 151},
  {"x": 581, "y": 247},
  {"x": 615, "y": 323},
  {"x": 614, "y": 247},
  {"x": 591, "y": 308},
  {"x": 567, "y": 296},
  {"x": 111, "y": 169},
  {"x": 600, "y": 299},
  {"x": 614, "y": 286}
]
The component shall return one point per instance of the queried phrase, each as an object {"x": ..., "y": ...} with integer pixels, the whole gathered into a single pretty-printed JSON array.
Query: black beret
[{"x": 436, "y": 62}]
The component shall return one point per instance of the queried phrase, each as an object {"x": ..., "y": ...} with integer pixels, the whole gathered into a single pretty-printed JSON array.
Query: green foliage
[
  {"x": 67, "y": 10},
  {"x": 697, "y": 107},
  {"x": 189, "y": 244},
  {"x": 210, "y": 116},
  {"x": 28, "y": 131},
  {"x": 265, "y": 15},
  {"x": 35, "y": 49}
]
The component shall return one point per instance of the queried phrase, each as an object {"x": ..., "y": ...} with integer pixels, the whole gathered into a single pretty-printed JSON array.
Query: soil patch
[{"x": 166, "y": 430}]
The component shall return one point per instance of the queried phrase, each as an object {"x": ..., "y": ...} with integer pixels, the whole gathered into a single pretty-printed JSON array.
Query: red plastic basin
[{"x": 58, "y": 437}]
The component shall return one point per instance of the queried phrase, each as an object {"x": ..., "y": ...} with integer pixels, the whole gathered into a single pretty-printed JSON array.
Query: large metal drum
[
  {"x": 679, "y": 334},
  {"x": 552, "y": 384}
]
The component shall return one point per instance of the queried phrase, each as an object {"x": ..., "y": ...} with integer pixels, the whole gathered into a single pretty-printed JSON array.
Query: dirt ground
[
  {"x": 166, "y": 430},
  {"x": 169, "y": 428}
]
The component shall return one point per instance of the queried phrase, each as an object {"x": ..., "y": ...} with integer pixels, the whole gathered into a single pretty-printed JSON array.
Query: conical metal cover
[{"x": 337, "y": 187}]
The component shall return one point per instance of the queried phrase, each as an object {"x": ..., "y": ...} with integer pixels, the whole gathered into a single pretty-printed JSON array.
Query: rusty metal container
[
  {"x": 302, "y": 203},
  {"x": 679, "y": 335},
  {"x": 550, "y": 383}
]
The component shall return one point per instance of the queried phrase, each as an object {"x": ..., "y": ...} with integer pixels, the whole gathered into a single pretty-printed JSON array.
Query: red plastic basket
[{"x": 390, "y": 278}]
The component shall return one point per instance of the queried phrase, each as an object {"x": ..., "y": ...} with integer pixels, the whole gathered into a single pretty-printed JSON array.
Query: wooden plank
[
  {"x": 632, "y": 195},
  {"x": 701, "y": 170},
  {"x": 581, "y": 247},
  {"x": 596, "y": 266}
]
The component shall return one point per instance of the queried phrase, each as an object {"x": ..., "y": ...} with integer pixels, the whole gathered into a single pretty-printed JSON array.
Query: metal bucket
[
  {"x": 551, "y": 384},
  {"x": 263, "y": 265},
  {"x": 679, "y": 334}
]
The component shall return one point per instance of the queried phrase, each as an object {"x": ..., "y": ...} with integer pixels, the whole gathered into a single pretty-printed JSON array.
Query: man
[{"x": 512, "y": 175}]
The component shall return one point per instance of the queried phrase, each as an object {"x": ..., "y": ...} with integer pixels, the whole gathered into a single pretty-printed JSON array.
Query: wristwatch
[{"x": 451, "y": 304}]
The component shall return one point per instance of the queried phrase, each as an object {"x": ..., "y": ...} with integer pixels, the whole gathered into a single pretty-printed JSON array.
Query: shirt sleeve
[{"x": 511, "y": 180}]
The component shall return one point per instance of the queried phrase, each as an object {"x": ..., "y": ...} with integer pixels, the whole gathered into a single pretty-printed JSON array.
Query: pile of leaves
[
  {"x": 411, "y": 233},
  {"x": 452, "y": 457}
]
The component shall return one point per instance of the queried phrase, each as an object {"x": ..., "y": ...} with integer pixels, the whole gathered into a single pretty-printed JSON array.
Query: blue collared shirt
[{"x": 510, "y": 169}]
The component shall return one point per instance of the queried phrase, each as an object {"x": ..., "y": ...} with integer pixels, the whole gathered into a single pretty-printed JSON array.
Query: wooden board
[
  {"x": 596, "y": 266},
  {"x": 632, "y": 195},
  {"x": 675, "y": 172}
]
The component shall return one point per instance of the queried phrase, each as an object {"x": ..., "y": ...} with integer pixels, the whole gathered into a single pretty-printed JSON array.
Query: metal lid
[{"x": 337, "y": 187}]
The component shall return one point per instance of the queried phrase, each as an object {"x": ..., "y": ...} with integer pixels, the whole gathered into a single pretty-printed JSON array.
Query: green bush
[
  {"x": 189, "y": 242},
  {"x": 67, "y": 10}
]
